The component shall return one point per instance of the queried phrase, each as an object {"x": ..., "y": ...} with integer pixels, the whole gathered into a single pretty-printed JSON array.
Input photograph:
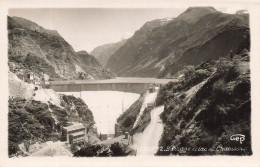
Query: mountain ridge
[
  {"x": 34, "y": 26},
  {"x": 162, "y": 51},
  {"x": 103, "y": 52},
  {"x": 46, "y": 51}
]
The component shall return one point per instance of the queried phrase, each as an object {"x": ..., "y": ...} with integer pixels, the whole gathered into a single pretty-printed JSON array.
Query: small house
[
  {"x": 29, "y": 77},
  {"x": 78, "y": 137},
  {"x": 103, "y": 137},
  {"x": 151, "y": 88},
  {"x": 118, "y": 132},
  {"x": 76, "y": 131}
]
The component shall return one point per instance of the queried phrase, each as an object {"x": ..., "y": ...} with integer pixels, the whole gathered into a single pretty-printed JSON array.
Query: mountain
[
  {"x": 33, "y": 26},
  {"x": 34, "y": 48},
  {"x": 92, "y": 66},
  {"x": 161, "y": 48},
  {"x": 104, "y": 52},
  {"x": 207, "y": 107}
]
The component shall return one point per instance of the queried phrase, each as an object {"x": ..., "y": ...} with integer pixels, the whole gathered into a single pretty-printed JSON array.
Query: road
[
  {"x": 149, "y": 98},
  {"x": 147, "y": 142}
]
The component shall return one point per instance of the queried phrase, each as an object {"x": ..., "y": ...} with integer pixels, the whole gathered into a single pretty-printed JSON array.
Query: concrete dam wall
[
  {"x": 123, "y": 84},
  {"x": 122, "y": 87}
]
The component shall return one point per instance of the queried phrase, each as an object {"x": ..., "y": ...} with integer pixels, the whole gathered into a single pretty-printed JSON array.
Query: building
[
  {"x": 44, "y": 80},
  {"x": 78, "y": 137},
  {"x": 45, "y": 77},
  {"x": 75, "y": 133},
  {"x": 151, "y": 88},
  {"x": 103, "y": 137},
  {"x": 29, "y": 77},
  {"x": 118, "y": 131}
]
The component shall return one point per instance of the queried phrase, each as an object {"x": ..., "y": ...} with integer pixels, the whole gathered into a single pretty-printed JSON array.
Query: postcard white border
[{"x": 254, "y": 10}]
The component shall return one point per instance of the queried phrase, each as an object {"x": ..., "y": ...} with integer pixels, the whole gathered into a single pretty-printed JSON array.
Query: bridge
[{"x": 124, "y": 84}]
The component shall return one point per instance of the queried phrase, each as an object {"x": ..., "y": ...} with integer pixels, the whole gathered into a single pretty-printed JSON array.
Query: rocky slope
[
  {"x": 33, "y": 26},
  {"x": 162, "y": 47},
  {"x": 210, "y": 104},
  {"x": 31, "y": 121},
  {"x": 104, "y": 52},
  {"x": 37, "y": 49},
  {"x": 127, "y": 119},
  {"x": 37, "y": 115},
  {"x": 92, "y": 66}
]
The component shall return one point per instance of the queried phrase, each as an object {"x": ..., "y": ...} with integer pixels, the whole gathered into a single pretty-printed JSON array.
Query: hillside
[
  {"x": 92, "y": 66},
  {"x": 203, "y": 110},
  {"x": 104, "y": 52},
  {"x": 36, "y": 116},
  {"x": 127, "y": 119},
  {"x": 34, "y": 48},
  {"x": 31, "y": 121},
  {"x": 162, "y": 47}
]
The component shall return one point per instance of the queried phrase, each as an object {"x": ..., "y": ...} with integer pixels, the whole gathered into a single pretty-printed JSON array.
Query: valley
[{"x": 177, "y": 82}]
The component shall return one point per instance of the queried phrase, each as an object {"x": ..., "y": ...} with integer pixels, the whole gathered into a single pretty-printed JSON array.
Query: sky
[{"x": 87, "y": 28}]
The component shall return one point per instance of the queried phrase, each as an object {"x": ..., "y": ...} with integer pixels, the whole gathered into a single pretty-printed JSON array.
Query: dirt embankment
[{"x": 18, "y": 88}]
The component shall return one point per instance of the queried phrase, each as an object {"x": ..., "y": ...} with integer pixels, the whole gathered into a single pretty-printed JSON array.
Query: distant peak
[
  {"x": 157, "y": 22},
  {"x": 82, "y": 52},
  {"x": 206, "y": 9},
  {"x": 242, "y": 12},
  {"x": 193, "y": 14}
]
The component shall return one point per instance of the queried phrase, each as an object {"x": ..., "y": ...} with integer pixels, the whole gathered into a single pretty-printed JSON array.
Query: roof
[
  {"x": 74, "y": 126},
  {"x": 78, "y": 133}
]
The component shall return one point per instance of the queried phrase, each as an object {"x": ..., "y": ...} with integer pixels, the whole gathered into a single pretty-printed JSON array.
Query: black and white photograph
[{"x": 115, "y": 82}]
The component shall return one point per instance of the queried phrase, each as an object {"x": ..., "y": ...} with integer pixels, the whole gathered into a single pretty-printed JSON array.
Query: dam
[
  {"x": 123, "y": 84},
  {"x": 109, "y": 98}
]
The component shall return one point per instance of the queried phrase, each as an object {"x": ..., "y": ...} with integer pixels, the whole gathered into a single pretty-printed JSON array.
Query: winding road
[{"x": 147, "y": 142}]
